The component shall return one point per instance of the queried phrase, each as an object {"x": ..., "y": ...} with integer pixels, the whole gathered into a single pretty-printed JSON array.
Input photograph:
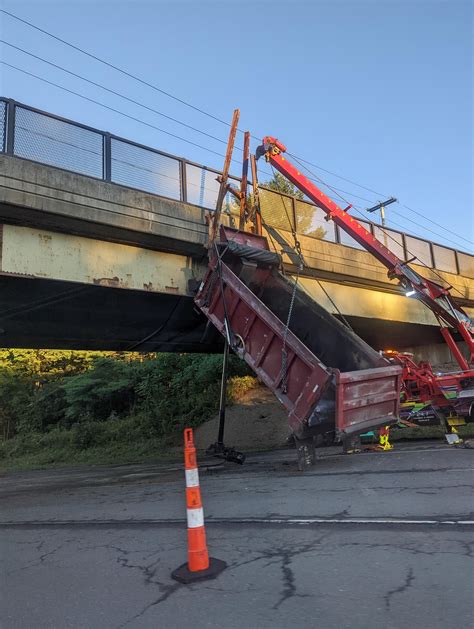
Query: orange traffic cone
[{"x": 199, "y": 565}]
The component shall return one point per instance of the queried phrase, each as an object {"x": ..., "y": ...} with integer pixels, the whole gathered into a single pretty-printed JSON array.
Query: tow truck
[{"x": 449, "y": 396}]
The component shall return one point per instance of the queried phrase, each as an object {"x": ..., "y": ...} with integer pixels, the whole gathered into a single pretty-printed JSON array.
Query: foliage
[
  {"x": 280, "y": 183},
  {"x": 177, "y": 389},
  {"x": 47, "y": 362},
  {"x": 278, "y": 214},
  {"x": 78, "y": 402},
  {"x": 116, "y": 440},
  {"x": 104, "y": 408},
  {"x": 16, "y": 395},
  {"x": 239, "y": 385},
  {"x": 106, "y": 388}
]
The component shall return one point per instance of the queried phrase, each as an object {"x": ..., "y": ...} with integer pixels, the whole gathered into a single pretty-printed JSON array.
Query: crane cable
[
  {"x": 359, "y": 212},
  {"x": 303, "y": 262},
  {"x": 300, "y": 268}
]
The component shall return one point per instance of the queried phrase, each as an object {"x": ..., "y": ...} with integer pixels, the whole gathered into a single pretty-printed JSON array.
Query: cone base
[{"x": 184, "y": 575}]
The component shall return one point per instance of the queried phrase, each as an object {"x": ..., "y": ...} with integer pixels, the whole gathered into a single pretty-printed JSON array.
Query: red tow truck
[{"x": 449, "y": 396}]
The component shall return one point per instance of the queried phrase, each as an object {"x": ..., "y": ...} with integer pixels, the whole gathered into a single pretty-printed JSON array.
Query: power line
[
  {"x": 154, "y": 87},
  {"x": 401, "y": 215},
  {"x": 329, "y": 172},
  {"x": 430, "y": 230},
  {"x": 102, "y": 87},
  {"x": 202, "y": 111},
  {"x": 125, "y": 98},
  {"x": 394, "y": 240},
  {"x": 380, "y": 194},
  {"x": 318, "y": 179},
  {"x": 135, "y": 102},
  {"x": 114, "y": 67},
  {"x": 117, "y": 111},
  {"x": 435, "y": 223}
]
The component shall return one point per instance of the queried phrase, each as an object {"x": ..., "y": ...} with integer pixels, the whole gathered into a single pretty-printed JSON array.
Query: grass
[
  {"x": 133, "y": 439},
  {"x": 428, "y": 432},
  {"x": 145, "y": 451},
  {"x": 115, "y": 441}
]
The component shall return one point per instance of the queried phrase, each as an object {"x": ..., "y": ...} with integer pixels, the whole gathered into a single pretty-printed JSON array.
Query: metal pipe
[{"x": 223, "y": 397}]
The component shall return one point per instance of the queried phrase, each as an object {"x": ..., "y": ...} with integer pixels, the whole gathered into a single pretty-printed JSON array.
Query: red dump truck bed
[{"x": 324, "y": 374}]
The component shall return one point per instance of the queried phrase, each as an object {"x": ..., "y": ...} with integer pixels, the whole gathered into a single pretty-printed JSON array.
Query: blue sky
[{"x": 380, "y": 92}]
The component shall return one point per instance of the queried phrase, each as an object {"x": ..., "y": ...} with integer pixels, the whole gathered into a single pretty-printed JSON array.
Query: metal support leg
[
  {"x": 351, "y": 444},
  {"x": 306, "y": 453},
  {"x": 223, "y": 397},
  {"x": 218, "y": 448}
]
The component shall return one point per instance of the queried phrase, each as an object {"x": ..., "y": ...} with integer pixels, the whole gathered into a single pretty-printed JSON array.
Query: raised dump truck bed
[{"x": 319, "y": 369}]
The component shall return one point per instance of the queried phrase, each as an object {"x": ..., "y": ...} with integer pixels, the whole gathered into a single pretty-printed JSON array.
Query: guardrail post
[
  {"x": 183, "y": 181},
  {"x": 293, "y": 210},
  {"x": 404, "y": 247},
  {"x": 107, "y": 167},
  {"x": 456, "y": 260},
  {"x": 10, "y": 127},
  {"x": 433, "y": 260}
]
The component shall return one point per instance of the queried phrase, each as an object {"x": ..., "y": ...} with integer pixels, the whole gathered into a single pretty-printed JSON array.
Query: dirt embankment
[{"x": 255, "y": 421}]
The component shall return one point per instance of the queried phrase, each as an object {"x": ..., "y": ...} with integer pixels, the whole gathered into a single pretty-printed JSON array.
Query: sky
[{"x": 379, "y": 92}]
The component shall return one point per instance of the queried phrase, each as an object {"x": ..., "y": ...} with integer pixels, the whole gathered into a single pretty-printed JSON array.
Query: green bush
[
  {"x": 60, "y": 408},
  {"x": 16, "y": 399},
  {"x": 239, "y": 385},
  {"x": 106, "y": 388},
  {"x": 87, "y": 435},
  {"x": 174, "y": 390}
]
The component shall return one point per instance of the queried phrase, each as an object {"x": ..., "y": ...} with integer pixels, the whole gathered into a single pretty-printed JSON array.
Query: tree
[
  {"x": 277, "y": 210},
  {"x": 280, "y": 183}
]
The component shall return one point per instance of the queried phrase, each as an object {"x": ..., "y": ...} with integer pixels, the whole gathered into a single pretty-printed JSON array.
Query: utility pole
[{"x": 381, "y": 206}]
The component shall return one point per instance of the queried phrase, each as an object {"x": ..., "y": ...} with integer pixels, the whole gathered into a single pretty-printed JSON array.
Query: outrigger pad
[
  {"x": 305, "y": 450},
  {"x": 453, "y": 439},
  {"x": 184, "y": 575}
]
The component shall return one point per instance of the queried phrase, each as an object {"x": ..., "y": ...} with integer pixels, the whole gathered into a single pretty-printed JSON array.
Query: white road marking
[{"x": 298, "y": 521}]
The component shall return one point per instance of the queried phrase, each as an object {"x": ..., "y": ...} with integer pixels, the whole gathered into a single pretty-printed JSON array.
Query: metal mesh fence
[
  {"x": 420, "y": 249},
  {"x": 310, "y": 221},
  {"x": 144, "y": 169},
  {"x": 64, "y": 144},
  {"x": 3, "y": 123},
  {"x": 391, "y": 240},
  {"x": 58, "y": 143},
  {"x": 444, "y": 259},
  {"x": 276, "y": 209},
  {"x": 347, "y": 240},
  {"x": 202, "y": 189},
  {"x": 466, "y": 264}
]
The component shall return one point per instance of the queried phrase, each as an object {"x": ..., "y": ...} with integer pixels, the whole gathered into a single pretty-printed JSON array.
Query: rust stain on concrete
[{"x": 112, "y": 282}]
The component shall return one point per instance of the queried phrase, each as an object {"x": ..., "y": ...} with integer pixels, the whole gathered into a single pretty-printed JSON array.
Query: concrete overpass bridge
[{"x": 99, "y": 237}]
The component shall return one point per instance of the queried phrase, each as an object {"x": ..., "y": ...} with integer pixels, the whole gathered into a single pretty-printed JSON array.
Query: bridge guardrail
[{"x": 43, "y": 137}]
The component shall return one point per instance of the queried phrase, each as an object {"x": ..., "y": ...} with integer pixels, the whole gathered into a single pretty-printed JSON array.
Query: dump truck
[{"x": 327, "y": 378}]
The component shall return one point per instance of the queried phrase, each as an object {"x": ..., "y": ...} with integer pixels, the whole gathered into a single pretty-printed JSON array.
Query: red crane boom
[{"x": 448, "y": 313}]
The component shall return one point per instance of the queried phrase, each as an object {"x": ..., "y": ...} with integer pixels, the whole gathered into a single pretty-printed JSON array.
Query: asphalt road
[{"x": 372, "y": 540}]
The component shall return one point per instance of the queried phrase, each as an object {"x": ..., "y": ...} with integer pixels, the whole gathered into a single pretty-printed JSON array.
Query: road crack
[{"x": 409, "y": 578}]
